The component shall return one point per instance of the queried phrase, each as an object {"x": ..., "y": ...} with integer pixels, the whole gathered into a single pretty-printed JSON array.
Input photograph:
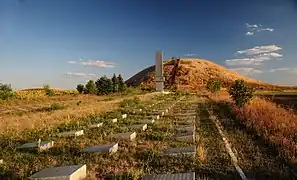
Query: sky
[{"x": 66, "y": 42}]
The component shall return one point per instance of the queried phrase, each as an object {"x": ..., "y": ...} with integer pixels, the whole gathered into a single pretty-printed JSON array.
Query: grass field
[{"x": 253, "y": 132}]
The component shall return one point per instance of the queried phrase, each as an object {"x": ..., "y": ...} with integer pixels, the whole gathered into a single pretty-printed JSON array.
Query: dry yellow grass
[{"x": 90, "y": 105}]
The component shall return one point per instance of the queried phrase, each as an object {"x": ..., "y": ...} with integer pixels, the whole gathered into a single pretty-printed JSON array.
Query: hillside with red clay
[{"x": 192, "y": 75}]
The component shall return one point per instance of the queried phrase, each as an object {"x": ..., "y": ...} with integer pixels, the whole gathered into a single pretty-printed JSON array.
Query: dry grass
[
  {"x": 90, "y": 105},
  {"x": 277, "y": 125}
]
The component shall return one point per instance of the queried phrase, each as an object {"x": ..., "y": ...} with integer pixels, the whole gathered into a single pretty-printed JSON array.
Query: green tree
[
  {"x": 213, "y": 85},
  {"x": 115, "y": 83},
  {"x": 241, "y": 93},
  {"x": 90, "y": 87},
  {"x": 104, "y": 85},
  {"x": 48, "y": 90},
  {"x": 80, "y": 88},
  {"x": 6, "y": 92},
  {"x": 122, "y": 85}
]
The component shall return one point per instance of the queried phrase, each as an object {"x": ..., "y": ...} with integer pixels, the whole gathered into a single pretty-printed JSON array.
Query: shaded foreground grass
[{"x": 258, "y": 158}]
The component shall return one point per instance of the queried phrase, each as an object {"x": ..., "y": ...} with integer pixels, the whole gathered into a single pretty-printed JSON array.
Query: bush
[
  {"x": 104, "y": 85},
  {"x": 213, "y": 85},
  {"x": 80, "y": 88},
  {"x": 90, "y": 87},
  {"x": 6, "y": 92},
  {"x": 48, "y": 90},
  {"x": 241, "y": 93}
]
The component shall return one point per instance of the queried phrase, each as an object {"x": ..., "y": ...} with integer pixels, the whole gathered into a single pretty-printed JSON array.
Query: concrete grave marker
[
  {"x": 124, "y": 116},
  {"x": 177, "y": 176},
  {"x": 125, "y": 136},
  {"x": 114, "y": 120},
  {"x": 38, "y": 145},
  {"x": 110, "y": 148},
  {"x": 186, "y": 128},
  {"x": 142, "y": 127},
  {"x": 71, "y": 133},
  {"x": 96, "y": 125},
  {"x": 1, "y": 161},
  {"x": 180, "y": 151},
  {"x": 77, "y": 172},
  {"x": 185, "y": 137}
]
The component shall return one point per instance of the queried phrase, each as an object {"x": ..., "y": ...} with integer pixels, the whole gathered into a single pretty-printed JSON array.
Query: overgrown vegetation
[
  {"x": 80, "y": 88},
  {"x": 48, "y": 90},
  {"x": 213, "y": 85},
  {"x": 241, "y": 93},
  {"x": 6, "y": 92}
]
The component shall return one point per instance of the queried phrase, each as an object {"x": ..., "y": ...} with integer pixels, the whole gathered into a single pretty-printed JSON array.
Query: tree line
[{"x": 103, "y": 86}]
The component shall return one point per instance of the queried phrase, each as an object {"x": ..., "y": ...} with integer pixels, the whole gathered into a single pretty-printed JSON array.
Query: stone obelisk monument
[{"x": 159, "y": 71}]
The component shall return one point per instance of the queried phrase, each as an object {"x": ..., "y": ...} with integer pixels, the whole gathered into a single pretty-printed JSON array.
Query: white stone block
[
  {"x": 180, "y": 151},
  {"x": 110, "y": 148},
  {"x": 1, "y": 161},
  {"x": 96, "y": 125},
  {"x": 114, "y": 120},
  {"x": 177, "y": 176},
  {"x": 44, "y": 145},
  {"x": 77, "y": 172},
  {"x": 124, "y": 116},
  {"x": 125, "y": 136},
  {"x": 71, "y": 133},
  {"x": 142, "y": 127},
  {"x": 140, "y": 110}
]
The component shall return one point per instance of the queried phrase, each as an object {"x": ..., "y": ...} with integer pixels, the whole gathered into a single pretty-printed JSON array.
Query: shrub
[
  {"x": 6, "y": 92},
  {"x": 48, "y": 90},
  {"x": 213, "y": 85},
  {"x": 241, "y": 93},
  {"x": 104, "y": 85},
  {"x": 90, "y": 87},
  {"x": 80, "y": 88},
  {"x": 122, "y": 85}
]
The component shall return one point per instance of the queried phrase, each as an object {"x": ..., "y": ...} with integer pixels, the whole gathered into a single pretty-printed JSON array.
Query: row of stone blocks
[{"x": 79, "y": 172}]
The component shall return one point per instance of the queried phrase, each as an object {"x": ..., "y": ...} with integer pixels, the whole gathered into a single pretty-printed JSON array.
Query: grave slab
[
  {"x": 124, "y": 116},
  {"x": 125, "y": 136},
  {"x": 177, "y": 176},
  {"x": 96, "y": 125},
  {"x": 186, "y": 128},
  {"x": 180, "y": 151},
  {"x": 110, "y": 148},
  {"x": 44, "y": 145},
  {"x": 185, "y": 137},
  {"x": 1, "y": 161},
  {"x": 71, "y": 133},
  {"x": 142, "y": 127},
  {"x": 147, "y": 121},
  {"x": 76, "y": 172}
]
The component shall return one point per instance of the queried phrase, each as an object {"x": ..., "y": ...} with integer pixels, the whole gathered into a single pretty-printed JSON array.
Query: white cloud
[
  {"x": 249, "y": 33},
  {"x": 279, "y": 69},
  {"x": 190, "y": 55},
  {"x": 83, "y": 75},
  {"x": 259, "y": 50},
  {"x": 97, "y": 63},
  {"x": 244, "y": 61},
  {"x": 256, "y": 28},
  {"x": 247, "y": 71}
]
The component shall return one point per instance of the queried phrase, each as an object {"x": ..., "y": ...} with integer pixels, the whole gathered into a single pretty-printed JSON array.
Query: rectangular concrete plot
[
  {"x": 44, "y": 145},
  {"x": 181, "y": 151},
  {"x": 186, "y": 128},
  {"x": 110, "y": 148},
  {"x": 77, "y": 172},
  {"x": 177, "y": 176},
  {"x": 71, "y": 133},
  {"x": 125, "y": 136},
  {"x": 142, "y": 127},
  {"x": 96, "y": 125},
  {"x": 185, "y": 137}
]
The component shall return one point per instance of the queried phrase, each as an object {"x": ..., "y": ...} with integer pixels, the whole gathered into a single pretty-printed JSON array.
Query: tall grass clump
[{"x": 276, "y": 125}]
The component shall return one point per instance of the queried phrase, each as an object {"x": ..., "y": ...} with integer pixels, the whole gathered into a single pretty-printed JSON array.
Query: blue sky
[{"x": 66, "y": 42}]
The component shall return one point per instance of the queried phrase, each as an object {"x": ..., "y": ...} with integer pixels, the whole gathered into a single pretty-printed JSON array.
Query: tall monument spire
[{"x": 159, "y": 71}]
